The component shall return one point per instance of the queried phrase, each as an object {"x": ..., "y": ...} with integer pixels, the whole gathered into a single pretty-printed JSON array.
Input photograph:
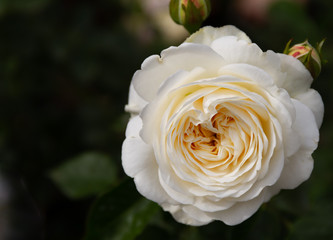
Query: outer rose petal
[
  {"x": 139, "y": 162},
  {"x": 313, "y": 100},
  {"x": 135, "y": 102},
  {"x": 207, "y": 35},
  {"x": 182, "y": 217},
  {"x": 297, "y": 170},
  {"x": 299, "y": 166},
  {"x": 155, "y": 69},
  {"x": 136, "y": 154},
  {"x": 234, "y": 50},
  {"x": 240, "y": 211},
  {"x": 298, "y": 78},
  {"x": 305, "y": 125},
  {"x": 237, "y": 213}
]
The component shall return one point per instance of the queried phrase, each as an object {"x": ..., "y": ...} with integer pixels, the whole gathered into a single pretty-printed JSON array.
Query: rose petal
[
  {"x": 208, "y": 34},
  {"x": 297, "y": 79},
  {"x": 138, "y": 161},
  {"x": 186, "y": 57},
  {"x": 306, "y": 127},
  {"x": 133, "y": 127},
  {"x": 182, "y": 217},
  {"x": 147, "y": 183},
  {"x": 248, "y": 72},
  {"x": 240, "y": 211},
  {"x": 299, "y": 166},
  {"x": 135, "y": 102},
  {"x": 136, "y": 156},
  {"x": 297, "y": 170},
  {"x": 313, "y": 100}
]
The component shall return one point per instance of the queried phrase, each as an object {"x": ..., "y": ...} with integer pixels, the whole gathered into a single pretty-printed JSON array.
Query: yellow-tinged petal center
[{"x": 218, "y": 137}]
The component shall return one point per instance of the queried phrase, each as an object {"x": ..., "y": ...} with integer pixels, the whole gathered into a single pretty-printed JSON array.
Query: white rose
[{"x": 218, "y": 127}]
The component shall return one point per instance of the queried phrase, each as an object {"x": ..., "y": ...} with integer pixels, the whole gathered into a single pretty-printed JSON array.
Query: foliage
[
  {"x": 65, "y": 68},
  {"x": 120, "y": 214},
  {"x": 87, "y": 174}
]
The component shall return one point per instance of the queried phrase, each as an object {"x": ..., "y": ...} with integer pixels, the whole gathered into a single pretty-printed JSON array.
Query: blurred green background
[{"x": 65, "y": 69}]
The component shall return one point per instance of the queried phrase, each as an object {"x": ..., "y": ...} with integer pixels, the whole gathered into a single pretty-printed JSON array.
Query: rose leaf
[
  {"x": 85, "y": 175},
  {"x": 120, "y": 214}
]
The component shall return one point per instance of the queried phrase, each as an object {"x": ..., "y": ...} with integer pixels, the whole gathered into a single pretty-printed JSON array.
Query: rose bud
[
  {"x": 308, "y": 55},
  {"x": 189, "y": 13}
]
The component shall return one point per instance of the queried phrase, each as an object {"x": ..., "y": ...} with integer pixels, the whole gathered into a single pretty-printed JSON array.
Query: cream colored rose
[{"x": 218, "y": 127}]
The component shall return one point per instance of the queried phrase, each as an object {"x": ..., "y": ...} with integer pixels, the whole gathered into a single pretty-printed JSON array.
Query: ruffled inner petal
[{"x": 220, "y": 140}]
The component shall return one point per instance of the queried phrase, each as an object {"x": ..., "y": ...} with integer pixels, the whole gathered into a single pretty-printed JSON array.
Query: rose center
[{"x": 210, "y": 140}]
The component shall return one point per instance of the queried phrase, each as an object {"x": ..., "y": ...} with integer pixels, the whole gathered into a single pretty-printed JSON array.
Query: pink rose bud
[
  {"x": 308, "y": 55},
  {"x": 189, "y": 13}
]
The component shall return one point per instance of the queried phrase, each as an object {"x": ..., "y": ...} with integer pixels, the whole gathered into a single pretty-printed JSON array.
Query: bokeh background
[{"x": 65, "y": 69}]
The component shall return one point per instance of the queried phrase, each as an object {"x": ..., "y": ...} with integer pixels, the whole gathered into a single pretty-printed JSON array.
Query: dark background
[{"x": 65, "y": 69}]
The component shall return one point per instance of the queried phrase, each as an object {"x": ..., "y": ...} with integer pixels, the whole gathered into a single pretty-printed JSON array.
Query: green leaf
[
  {"x": 121, "y": 214},
  {"x": 85, "y": 175}
]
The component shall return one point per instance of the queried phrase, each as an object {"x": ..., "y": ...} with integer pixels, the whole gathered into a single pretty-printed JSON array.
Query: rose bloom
[{"x": 218, "y": 127}]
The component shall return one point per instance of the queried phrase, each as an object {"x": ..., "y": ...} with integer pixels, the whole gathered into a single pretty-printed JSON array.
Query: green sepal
[
  {"x": 286, "y": 49},
  {"x": 193, "y": 18}
]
